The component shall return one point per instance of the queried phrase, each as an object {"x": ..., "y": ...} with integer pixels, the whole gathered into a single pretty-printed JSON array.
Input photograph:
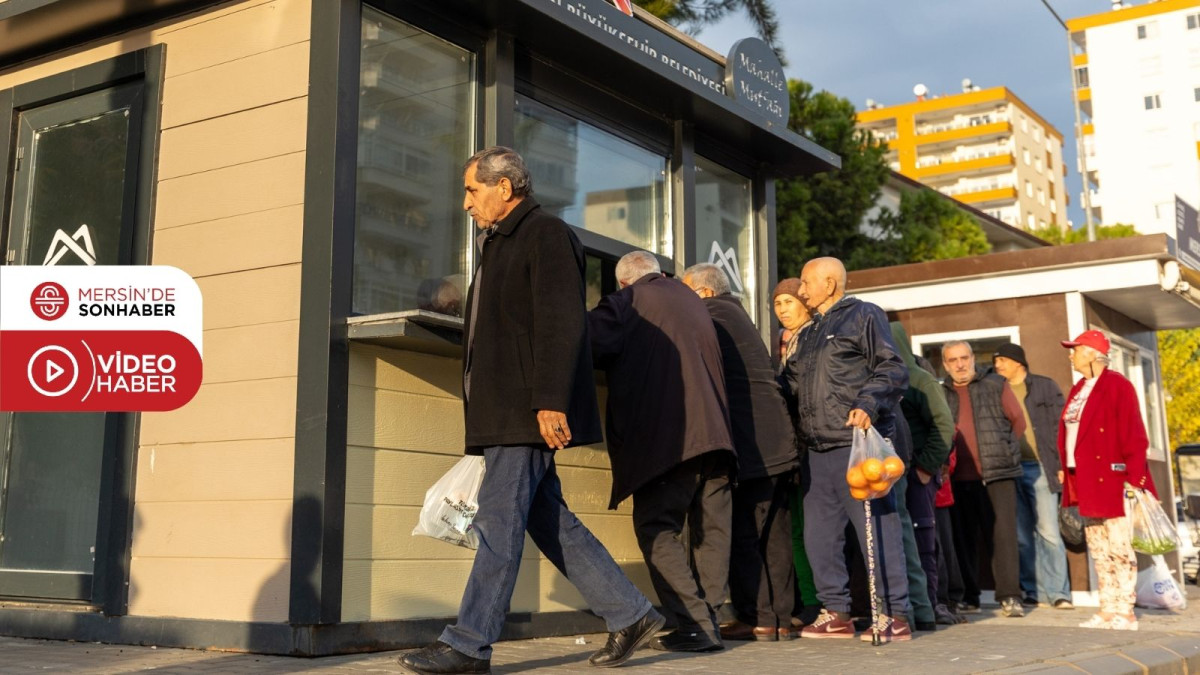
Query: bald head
[{"x": 822, "y": 283}]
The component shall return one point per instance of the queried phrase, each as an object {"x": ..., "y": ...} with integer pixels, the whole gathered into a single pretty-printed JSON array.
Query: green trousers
[{"x": 804, "y": 574}]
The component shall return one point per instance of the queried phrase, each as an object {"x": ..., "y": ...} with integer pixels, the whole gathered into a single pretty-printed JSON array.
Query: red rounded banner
[{"x": 63, "y": 371}]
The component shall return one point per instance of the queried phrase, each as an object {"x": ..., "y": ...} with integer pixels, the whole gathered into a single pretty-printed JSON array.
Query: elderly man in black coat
[
  {"x": 668, "y": 438},
  {"x": 761, "y": 576},
  {"x": 527, "y": 392}
]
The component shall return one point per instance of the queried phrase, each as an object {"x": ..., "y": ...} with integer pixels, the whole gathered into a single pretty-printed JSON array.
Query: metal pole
[{"x": 1079, "y": 145}]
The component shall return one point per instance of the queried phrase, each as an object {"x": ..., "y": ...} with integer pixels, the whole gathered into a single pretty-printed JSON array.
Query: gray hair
[
  {"x": 708, "y": 275},
  {"x": 499, "y": 162},
  {"x": 955, "y": 343},
  {"x": 1100, "y": 356},
  {"x": 634, "y": 266}
]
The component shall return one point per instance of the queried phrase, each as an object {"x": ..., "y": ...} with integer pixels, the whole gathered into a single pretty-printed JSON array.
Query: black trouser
[
  {"x": 920, "y": 499},
  {"x": 698, "y": 493},
  {"x": 985, "y": 517},
  {"x": 761, "y": 574},
  {"x": 949, "y": 577}
]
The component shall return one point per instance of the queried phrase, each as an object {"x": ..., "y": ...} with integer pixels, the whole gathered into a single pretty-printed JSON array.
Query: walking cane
[{"x": 871, "y": 575}]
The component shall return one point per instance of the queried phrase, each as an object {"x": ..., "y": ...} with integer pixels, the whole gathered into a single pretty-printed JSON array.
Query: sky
[{"x": 880, "y": 49}]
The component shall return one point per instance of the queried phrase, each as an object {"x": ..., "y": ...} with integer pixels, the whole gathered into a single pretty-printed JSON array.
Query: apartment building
[
  {"x": 984, "y": 147},
  {"x": 1137, "y": 83}
]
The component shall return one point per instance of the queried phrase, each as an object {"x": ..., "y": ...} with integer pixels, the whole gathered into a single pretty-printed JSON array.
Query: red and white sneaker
[
  {"x": 830, "y": 625},
  {"x": 891, "y": 629}
]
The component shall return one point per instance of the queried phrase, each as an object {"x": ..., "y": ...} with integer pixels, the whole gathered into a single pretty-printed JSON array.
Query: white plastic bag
[
  {"x": 450, "y": 505},
  {"x": 873, "y": 467},
  {"x": 1157, "y": 588}
]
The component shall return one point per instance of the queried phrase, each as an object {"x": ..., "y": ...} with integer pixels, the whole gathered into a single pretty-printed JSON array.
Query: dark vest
[{"x": 999, "y": 447}]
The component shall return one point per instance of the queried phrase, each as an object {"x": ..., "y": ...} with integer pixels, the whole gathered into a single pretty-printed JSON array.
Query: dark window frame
[{"x": 108, "y": 587}]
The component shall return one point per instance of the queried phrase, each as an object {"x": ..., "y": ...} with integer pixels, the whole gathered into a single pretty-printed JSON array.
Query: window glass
[
  {"x": 725, "y": 227},
  {"x": 593, "y": 179},
  {"x": 415, "y": 128}
]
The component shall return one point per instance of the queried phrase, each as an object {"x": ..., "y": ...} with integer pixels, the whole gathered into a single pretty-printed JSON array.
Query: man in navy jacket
[{"x": 845, "y": 375}]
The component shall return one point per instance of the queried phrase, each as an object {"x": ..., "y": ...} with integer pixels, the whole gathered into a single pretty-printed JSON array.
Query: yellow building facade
[{"x": 986, "y": 148}]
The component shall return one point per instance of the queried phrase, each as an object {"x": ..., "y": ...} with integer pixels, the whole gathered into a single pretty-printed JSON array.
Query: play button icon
[{"x": 53, "y": 364}]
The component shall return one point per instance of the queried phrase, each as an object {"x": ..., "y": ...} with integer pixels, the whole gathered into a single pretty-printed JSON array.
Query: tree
[
  {"x": 694, "y": 14},
  {"x": 1054, "y": 235},
  {"x": 820, "y": 214},
  {"x": 1179, "y": 352},
  {"x": 927, "y": 227}
]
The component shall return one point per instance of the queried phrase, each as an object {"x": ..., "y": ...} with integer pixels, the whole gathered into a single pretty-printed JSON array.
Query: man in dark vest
[
  {"x": 985, "y": 478},
  {"x": 761, "y": 575},
  {"x": 527, "y": 392},
  {"x": 668, "y": 438}
]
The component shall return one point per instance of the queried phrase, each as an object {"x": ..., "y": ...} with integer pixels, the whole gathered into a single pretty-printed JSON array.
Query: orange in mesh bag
[{"x": 874, "y": 466}]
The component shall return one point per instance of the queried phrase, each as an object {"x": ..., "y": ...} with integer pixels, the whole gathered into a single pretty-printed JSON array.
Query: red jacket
[{"x": 1110, "y": 449}]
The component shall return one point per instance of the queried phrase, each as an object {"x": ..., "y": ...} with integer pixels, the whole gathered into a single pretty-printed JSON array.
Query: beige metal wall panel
[
  {"x": 265, "y": 239},
  {"x": 232, "y": 191},
  {"x": 252, "y": 297},
  {"x": 259, "y": 80},
  {"x": 231, "y": 411},
  {"x": 250, "y": 530},
  {"x": 258, "y": 352},
  {"x": 205, "y": 588},
  {"x": 247, "y": 28},
  {"x": 243, "y": 137},
  {"x": 395, "y": 453},
  {"x": 385, "y": 590},
  {"x": 218, "y": 471}
]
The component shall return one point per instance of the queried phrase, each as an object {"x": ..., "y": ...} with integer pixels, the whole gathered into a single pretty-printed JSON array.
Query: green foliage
[
  {"x": 927, "y": 227},
  {"x": 1178, "y": 353},
  {"x": 695, "y": 14},
  {"x": 1054, "y": 235},
  {"x": 820, "y": 214}
]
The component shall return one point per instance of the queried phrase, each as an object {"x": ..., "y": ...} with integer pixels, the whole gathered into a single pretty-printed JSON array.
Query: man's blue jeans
[
  {"x": 1043, "y": 556},
  {"x": 521, "y": 492}
]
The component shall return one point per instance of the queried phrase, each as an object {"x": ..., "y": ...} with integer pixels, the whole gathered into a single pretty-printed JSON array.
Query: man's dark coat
[
  {"x": 666, "y": 387},
  {"x": 762, "y": 429},
  {"x": 529, "y": 344}
]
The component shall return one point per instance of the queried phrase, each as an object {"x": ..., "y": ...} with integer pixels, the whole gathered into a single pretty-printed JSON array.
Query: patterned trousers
[{"x": 1110, "y": 542}]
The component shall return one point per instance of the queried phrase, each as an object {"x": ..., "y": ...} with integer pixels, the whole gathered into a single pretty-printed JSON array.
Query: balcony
[
  {"x": 980, "y": 197},
  {"x": 962, "y": 132},
  {"x": 954, "y": 165}
]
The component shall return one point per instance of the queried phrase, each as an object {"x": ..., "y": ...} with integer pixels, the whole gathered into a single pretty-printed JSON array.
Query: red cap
[{"x": 1092, "y": 338}]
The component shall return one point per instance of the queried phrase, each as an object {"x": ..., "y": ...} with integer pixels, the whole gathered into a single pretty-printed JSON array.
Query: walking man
[{"x": 527, "y": 392}]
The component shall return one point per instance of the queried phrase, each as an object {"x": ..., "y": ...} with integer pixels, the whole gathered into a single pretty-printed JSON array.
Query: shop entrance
[{"x": 73, "y": 203}]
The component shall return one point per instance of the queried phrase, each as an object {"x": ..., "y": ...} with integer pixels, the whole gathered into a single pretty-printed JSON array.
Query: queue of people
[{"x": 735, "y": 455}]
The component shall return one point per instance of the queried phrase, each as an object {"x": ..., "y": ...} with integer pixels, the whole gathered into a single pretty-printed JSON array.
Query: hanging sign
[{"x": 754, "y": 77}]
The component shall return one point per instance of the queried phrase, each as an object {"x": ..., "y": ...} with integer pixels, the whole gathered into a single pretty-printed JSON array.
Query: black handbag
[{"x": 1070, "y": 525}]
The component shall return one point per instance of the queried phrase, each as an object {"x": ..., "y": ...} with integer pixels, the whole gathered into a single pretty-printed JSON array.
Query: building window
[
  {"x": 1037, "y": 134},
  {"x": 1053, "y": 206},
  {"x": 1153, "y": 102},
  {"x": 1081, "y": 77},
  {"x": 725, "y": 227},
  {"x": 1041, "y": 196},
  {"x": 1147, "y": 30},
  {"x": 585, "y": 175},
  {"x": 1193, "y": 21},
  {"x": 1024, "y": 124},
  {"x": 1029, "y": 220},
  {"x": 416, "y": 125},
  {"x": 1196, "y": 93},
  {"x": 1037, "y": 164},
  {"x": 1025, "y": 155},
  {"x": 1028, "y": 189}
]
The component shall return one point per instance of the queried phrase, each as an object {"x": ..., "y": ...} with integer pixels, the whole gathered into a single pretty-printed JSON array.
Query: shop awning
[{"x": 1137, "y": 276}]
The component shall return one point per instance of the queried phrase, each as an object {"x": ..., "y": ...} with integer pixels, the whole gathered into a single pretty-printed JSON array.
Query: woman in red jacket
[{"x": 1102, "y": 443}]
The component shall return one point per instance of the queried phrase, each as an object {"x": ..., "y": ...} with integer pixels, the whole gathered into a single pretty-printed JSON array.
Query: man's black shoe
[
  {"x": 623, "y": 643},
  {"x": 1029, "y": 601},
  {"x": 440, "y": 657},
  {"x": 680, "y": 641},
  {"x": 925, "y": 626}
]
